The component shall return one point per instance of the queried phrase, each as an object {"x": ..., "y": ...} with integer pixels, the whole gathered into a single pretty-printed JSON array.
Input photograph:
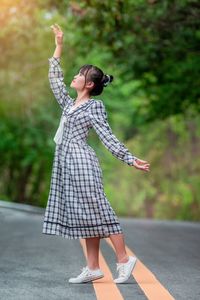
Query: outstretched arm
[
  {"x": 55, "y": 75},
  {"x": 99, "y": 122}
]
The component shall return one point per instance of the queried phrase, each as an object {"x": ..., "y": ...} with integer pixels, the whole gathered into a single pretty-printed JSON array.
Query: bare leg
[
  {"x": 92, "y": 245},
  {"x": 119, "y": 245}
]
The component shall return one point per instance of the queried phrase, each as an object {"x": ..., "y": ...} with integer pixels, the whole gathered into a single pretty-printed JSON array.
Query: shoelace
[
  {"x": 84, "y": 270},
  {"x": 121, "y": 269}
]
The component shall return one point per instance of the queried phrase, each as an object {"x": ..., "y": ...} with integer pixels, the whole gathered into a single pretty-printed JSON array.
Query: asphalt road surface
[{"x": 35, "y": 266}]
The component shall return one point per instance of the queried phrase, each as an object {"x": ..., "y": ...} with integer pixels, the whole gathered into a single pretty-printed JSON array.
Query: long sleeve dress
[{"x": 77, "y": 205}]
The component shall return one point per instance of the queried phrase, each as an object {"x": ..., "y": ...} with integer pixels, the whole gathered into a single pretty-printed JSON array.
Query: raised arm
[
  {"x": 99, "y": 122},
  {"x": 56, "y": 80},
  {"x": 55, "y": 75}
]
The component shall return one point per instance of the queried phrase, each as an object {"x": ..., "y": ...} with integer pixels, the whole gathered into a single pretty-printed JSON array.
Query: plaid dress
[{"x": 77, "y": 206}]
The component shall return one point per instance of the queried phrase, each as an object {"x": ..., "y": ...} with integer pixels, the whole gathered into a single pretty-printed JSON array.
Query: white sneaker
[
  {"x": 87, "y": 275},
  {"x": 125, "y": 269}
]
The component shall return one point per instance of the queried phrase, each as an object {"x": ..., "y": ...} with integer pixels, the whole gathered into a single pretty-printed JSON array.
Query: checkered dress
[{"x": 77, "y": 206}]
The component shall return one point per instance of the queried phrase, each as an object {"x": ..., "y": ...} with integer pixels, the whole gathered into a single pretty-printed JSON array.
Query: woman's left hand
[{"x": 141, "y": 165}]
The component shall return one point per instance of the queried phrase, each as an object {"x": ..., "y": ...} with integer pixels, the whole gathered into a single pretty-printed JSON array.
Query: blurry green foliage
[{"x": 152, "y": 49}]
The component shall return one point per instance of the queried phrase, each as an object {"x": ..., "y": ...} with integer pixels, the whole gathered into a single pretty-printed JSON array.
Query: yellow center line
[
  {"x": 147, "y": 281},
  {"x": 104, "y": 288}
]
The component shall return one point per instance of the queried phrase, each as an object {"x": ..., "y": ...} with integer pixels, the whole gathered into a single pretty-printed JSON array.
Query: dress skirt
[{"x": 77, "y": 206}]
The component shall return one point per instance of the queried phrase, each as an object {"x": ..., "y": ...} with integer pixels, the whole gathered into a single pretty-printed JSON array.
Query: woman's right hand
[{"x": 58, "y": 34}]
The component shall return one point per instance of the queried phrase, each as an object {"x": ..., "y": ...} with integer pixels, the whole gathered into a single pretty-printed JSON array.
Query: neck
[{"x": 82, "y": 97}]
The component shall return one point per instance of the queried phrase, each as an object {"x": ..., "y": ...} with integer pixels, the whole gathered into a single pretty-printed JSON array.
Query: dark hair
[{"x": 96, "y": 75}]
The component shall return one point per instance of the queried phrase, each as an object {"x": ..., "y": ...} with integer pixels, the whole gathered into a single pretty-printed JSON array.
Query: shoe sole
[
  {"x": 88, "y": 279},
  {"x": 129, "y": 272}
]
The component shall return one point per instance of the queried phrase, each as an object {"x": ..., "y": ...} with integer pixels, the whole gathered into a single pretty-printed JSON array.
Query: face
[{"x": 78, "y": 82}]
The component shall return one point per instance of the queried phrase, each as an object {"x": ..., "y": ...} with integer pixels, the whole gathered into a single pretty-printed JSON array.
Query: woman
[{"x": 77, "y": 206}]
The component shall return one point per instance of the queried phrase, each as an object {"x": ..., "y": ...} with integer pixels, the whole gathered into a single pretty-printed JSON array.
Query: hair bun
[{"x": 107, "y": 79}]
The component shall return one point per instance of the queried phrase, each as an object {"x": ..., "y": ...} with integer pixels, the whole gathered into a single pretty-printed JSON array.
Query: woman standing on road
[{"x": 77, "y": 206}]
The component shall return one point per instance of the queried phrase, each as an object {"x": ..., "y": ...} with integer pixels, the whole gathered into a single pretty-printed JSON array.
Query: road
[{"x": 37, "y": 266}]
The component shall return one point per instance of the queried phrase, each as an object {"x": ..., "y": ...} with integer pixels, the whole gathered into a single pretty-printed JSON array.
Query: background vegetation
[{"x": 152, "y": 49}]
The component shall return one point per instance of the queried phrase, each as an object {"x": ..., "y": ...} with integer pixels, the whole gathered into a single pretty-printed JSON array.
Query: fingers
[
  {"x": 58, "y": 27},
  {"x": 142, "y": 167},
  {"x": 140, "y": 161},
  {"x": 55, "y": 27},
  {"x": 146, "y": 169}
]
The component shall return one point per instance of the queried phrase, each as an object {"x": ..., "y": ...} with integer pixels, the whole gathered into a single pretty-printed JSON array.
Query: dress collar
[{"x": 83, "y": 105}]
